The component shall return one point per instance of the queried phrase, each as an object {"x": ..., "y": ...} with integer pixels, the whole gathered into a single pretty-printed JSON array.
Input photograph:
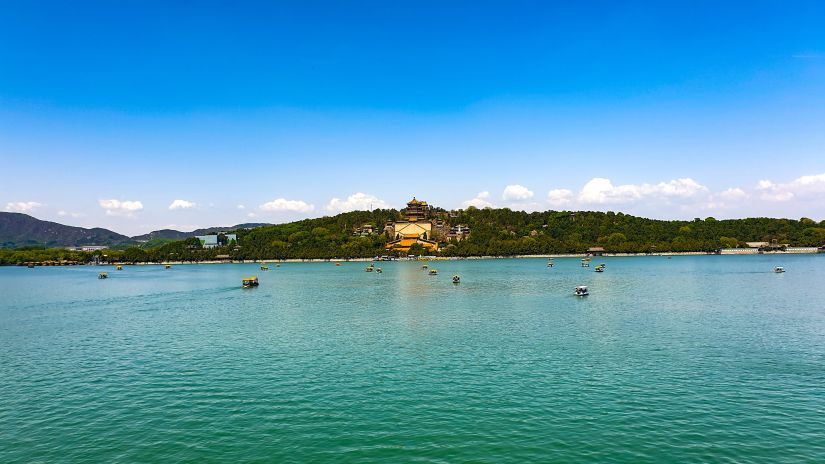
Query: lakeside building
[
  {"x": 595, "y": 251},
  {"x": 424, "y": 225},
  {"x": 416, "y": 228},
  {"x": 88, "y": 248},
  {"x": 212, "y": 240}
]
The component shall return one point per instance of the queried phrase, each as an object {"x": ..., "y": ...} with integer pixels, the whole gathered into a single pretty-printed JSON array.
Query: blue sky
[{"x": 109, "y": 113}]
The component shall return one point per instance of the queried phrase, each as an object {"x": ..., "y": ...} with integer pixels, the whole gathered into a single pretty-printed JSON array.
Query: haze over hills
[
  {"x": 178, "y": 235},
  {"x": 20, "y": 230}
]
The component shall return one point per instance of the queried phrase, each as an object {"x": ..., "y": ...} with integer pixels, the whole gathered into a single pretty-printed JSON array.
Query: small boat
[
  {"x": 599, "y": 269},
  {"x": 337, "y": 264},
  {"x": 550, "y": 264},
  {"x": 119, "y": 267},
  {"x": 456, "y": 279},
  {"x": 779, "y": 269},
  {"x": 30, "y": 265},
  {"x": 370, "y": 268},
  {"x": 433, "y": 271},
  {"x": 581, "y": 290},
  {"x": 378, "y": 270},
  {"x": 424, "y": 266},
  {"x": 278, "y": 265},
  {"x": 585, "y": 264},
  {"x": 264, "y": 268},
  {"x": 168, "y": 266},
  {"x": 103, "y": 275},
  {"x": 248, "y": 282}
]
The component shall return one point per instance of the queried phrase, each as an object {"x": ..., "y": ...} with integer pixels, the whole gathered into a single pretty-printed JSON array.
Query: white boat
[
  {"x": 581, "y": 290},
  {"x": 779, "y": 269}
]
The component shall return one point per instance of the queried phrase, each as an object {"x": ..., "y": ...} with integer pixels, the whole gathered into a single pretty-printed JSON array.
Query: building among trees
[{"x": 417, "y": 228}]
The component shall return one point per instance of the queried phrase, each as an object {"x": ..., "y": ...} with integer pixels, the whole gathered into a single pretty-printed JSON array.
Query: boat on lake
[
  {"x": 433, "y": 271},
  {"x": 779, "y": 269},
  {"x": 456, "y": 279},
  {"x": 264, "y": 268},
  {"x": 581, "y": 290},
  {"x": 103, "y": 275},
  {"x": 249, "y": 282}
]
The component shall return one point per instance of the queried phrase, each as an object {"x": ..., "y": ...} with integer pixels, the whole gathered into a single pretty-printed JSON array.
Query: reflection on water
[{"x": 705, "y": 358}]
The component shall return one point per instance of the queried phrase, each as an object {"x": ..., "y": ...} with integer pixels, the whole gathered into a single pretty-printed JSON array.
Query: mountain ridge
[{"x": 21, "y": 230}]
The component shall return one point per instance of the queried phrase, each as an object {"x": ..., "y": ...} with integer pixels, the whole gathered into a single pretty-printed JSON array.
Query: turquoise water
[{"x": 690, "y": 359}]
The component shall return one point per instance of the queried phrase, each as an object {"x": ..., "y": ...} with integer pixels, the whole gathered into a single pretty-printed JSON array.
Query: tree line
[{"x": 496, "y": 232}]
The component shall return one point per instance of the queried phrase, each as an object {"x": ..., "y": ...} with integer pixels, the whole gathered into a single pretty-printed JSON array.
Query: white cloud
[
  {"x": 125, "y": 208},
  {"x": 22, "y": 206},
  {"x": 241, "y": 207},
  {"x": 182, "y": 204},
  {"x": 733, "y": 194},
  {"x": 602, "y": 191},
  {"x": 251, "y": 215},
  {"x": 559, "y": 197},
  {"x": 357, "y": 202},
  {"x": 282, "y": 204},
  {"x": 803, "y": 187},
  {"x": 480, "y": 201},
  {"x": 67, "y": 213},
  {"x": 773, "y": 192},
  {"x": 516, "y": 192}
]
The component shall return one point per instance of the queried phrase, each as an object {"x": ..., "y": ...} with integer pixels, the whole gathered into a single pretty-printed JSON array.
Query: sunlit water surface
[{"x": 690, "y": 359}]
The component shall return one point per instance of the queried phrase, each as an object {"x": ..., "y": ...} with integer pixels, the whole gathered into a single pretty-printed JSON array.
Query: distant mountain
[
  {"x": 18, "y": 230},
  {"x": 178, "y": 235}
]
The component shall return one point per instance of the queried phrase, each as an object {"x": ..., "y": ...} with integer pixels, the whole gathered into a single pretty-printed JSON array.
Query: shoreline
[
  {"x": 434, "y": 258},
  {"x": 466, "y": 258}
]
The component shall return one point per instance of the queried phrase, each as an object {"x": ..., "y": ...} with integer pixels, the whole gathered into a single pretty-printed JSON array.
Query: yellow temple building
[{"x": 417, "y": 228}]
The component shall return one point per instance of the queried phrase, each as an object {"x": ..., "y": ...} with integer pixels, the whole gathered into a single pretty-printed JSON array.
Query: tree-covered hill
[
  {"x": 18, "y": 230},
  {"x": 504, "y": 232},
  {"x": 498, "y": 232}
]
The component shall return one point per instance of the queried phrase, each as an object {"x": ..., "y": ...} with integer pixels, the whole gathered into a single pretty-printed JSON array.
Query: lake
[{"x": 689, "y": 359}]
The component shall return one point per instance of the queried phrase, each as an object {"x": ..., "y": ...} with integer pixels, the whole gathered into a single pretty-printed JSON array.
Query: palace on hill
[{"x": 422, "y": 226}]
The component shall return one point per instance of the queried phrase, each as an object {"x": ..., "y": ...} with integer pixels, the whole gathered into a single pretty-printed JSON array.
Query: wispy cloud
[
  {"x": 125, "y": 208},
  {"x": 22, "y": 206},
  {"x": 282, "y": 204},
  {"x": 182, "y": 204},
  {"x": 357, "y": 202},
  {"x": 479, "y": 201},
  {"x": 63, "y": 213}
]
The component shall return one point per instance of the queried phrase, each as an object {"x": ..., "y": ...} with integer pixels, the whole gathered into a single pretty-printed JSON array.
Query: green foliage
[{"x": 496, "y": 232}]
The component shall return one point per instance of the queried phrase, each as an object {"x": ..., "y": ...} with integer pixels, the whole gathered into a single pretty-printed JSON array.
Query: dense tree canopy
[{"x": 498, "y": 232}]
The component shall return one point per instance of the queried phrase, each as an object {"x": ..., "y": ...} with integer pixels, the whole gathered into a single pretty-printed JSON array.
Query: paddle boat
[
  {"x": 378, "y": 270},
  {"x": 337, "y": 264},
  {"x": 264, "y": 268},
  {"x": 779, "y": 269},
  {"x": 119, "y": 267},
  {"x": 424, "y": 266},
  {"x": 581, "y": 290},
  {"x": 30, "y": 265},
  {"x": 249, "y": 282},
  {"x": 599, "y": 269},
  {"x": 370, "y": 268},
  {"x": 103, "y": 275},
  {"x": 433, "y": 271},
  {"x": 456, "y": 279},
  {"x": 168, "y": 266}
]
